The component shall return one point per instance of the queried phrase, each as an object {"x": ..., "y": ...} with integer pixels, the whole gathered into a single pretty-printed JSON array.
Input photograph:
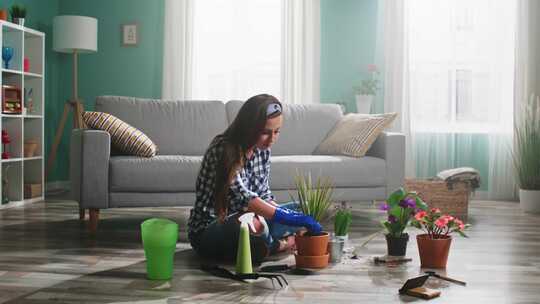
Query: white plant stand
[
  {"x": 363, "y": 103},
  {"x": 529, "y": 200},
  {"x": 19, "y": 170}
]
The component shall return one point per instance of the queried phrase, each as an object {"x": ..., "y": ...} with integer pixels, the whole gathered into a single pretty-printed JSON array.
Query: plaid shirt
[{"x": 250, "y": 182}]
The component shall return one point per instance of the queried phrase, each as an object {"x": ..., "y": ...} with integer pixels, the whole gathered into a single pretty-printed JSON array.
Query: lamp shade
[{"x": 75, "y": 33}]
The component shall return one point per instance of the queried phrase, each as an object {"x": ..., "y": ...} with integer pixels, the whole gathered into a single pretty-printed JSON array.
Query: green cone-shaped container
[
  {"x": 243, "y": 255},
  {"x": 159, "y": 238}
]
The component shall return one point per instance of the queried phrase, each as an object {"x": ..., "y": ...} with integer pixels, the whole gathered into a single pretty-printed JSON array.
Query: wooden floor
[{"x": 46, "y": 256}]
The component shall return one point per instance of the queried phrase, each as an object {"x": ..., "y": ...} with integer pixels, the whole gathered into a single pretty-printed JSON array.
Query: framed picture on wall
[{"x": 130, "y": 34}]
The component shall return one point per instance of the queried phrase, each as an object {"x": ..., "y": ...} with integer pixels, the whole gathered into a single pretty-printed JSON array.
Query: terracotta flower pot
[
  {"x": 30, "y": 147},
  {"x": 397, "y": 246},
  {"x": 318, "y": 261},
  {"x": 433, "y": 252},
  {"x": 312, "y": 245}
]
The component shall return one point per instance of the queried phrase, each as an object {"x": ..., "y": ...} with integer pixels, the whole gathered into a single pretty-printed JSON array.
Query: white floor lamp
[{"x": 72, "y": 34}]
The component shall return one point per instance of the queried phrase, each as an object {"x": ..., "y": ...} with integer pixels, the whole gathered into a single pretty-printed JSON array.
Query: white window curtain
[
  {"x": 224, "y": 50},
  {"x": 527, "y": 75},
  {"x": 392, "y": 26},
  {"x": 300, "y": 74},
  {"x": 449, "y": 72},
  {"x": 178, "y": 50}
]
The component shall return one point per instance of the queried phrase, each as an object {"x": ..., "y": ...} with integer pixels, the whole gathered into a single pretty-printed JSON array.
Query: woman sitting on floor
[{"x": 234, "y": 178}]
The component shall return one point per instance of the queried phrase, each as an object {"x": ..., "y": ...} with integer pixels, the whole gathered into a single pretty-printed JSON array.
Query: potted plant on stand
[
  {"x": 365, "y": 92},
  {"x": 526, "y": 157},
  {"x": 315, "y": 201},
  {"x": 434, "y": 244},
  {"x": 400, "y": 208},
  {"x": 18, "y": 13}
]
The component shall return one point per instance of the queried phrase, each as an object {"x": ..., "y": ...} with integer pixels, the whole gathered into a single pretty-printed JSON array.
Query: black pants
[{"x": 220, "y": 240}]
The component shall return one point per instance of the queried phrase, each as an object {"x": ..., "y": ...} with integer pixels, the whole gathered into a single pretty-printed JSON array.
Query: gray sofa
[{"x": 182, "y": 131}]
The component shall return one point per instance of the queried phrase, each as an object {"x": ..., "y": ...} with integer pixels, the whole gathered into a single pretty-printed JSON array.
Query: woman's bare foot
[{"x": 287, "y": 244}]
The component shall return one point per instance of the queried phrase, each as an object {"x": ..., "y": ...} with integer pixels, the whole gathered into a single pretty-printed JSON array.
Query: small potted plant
[
  {"x": 18, "y": 13},
  {"x": 434, "y": 244},
  {"x": 342, "y": 223},
  {"x": 315, "y": 200},
  {"x": 400, "y": 208},
  {"x": 525, "y": 156},
  {"x": 365, "y": 92}
]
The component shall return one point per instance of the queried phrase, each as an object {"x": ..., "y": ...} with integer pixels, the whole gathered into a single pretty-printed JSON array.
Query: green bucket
[{"x": 159, "y": 238}]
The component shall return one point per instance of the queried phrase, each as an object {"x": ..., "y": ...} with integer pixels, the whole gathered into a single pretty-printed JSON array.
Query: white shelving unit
[{"x": 19, "y": 170}]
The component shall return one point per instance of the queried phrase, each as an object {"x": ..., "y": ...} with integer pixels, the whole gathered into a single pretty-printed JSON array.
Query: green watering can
[{"x": 159, "y": 238}]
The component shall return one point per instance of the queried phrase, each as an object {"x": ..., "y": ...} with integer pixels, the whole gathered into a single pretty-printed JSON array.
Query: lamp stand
[{"x": 78, "y": 123}]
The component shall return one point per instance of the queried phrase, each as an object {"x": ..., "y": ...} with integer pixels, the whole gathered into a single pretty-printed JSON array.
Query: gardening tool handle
[
  {"x": 379, "y": 260},
  {"x": 433, "y": 273},
  {"x": 451, "y": 280}
]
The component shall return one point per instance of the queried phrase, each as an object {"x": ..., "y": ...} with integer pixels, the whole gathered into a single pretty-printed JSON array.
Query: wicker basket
[{"x": 436, "y": 194}]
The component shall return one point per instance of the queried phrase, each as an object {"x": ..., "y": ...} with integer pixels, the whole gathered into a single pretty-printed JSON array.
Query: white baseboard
[
  {"x": 484, "y": 196},
  {"x": 479, "y": 196}
]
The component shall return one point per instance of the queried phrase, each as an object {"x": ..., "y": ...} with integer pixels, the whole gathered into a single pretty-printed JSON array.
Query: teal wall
[
  {"x": 348, "y": 37},
  {"x": 113, "y": 70},
  {"x": 134, "y": 71}
]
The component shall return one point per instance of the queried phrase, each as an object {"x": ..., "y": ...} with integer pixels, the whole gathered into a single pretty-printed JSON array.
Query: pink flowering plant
[
  {"x": 369, "y": 86},
  {"x": 400, "y": 207},
  {"x": 438, "y": 225}
]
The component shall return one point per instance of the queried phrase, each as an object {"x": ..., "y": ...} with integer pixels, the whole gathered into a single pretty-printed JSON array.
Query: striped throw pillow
[
  {"x": 124, "y": 137},
  {"x": 354, "y": 134}
]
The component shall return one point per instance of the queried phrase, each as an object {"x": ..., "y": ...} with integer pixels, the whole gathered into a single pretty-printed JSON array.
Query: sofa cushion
[
  {"x": 344, "y": 171},
  {"x": 161, "y": 173},
  {"x": 124, "y": 137},
  {"x": 304, "y": 126},
  {"x": 176, "y": 127},
  {"x": 354, "y": 134}
]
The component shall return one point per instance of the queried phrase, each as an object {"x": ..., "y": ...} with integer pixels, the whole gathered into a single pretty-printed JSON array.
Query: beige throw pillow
[
  {"x": 124, "y": 137},
  {"x": 354, "y": 134}
]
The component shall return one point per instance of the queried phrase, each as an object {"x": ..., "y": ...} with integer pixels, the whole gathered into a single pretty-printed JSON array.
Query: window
[
  {"x": 237, "y": 48},
  {"x": 461, "y": 63}
]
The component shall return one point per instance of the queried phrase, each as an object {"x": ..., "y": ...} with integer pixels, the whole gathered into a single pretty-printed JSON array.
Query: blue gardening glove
[{"x": 293, "y": 218}]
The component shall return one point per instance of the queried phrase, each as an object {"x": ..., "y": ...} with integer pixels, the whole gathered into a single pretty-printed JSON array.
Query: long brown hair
[{"x": 239, "y": 137}]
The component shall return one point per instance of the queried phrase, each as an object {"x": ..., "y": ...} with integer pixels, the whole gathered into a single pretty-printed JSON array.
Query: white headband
[{"x": 272, "y": 109}]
